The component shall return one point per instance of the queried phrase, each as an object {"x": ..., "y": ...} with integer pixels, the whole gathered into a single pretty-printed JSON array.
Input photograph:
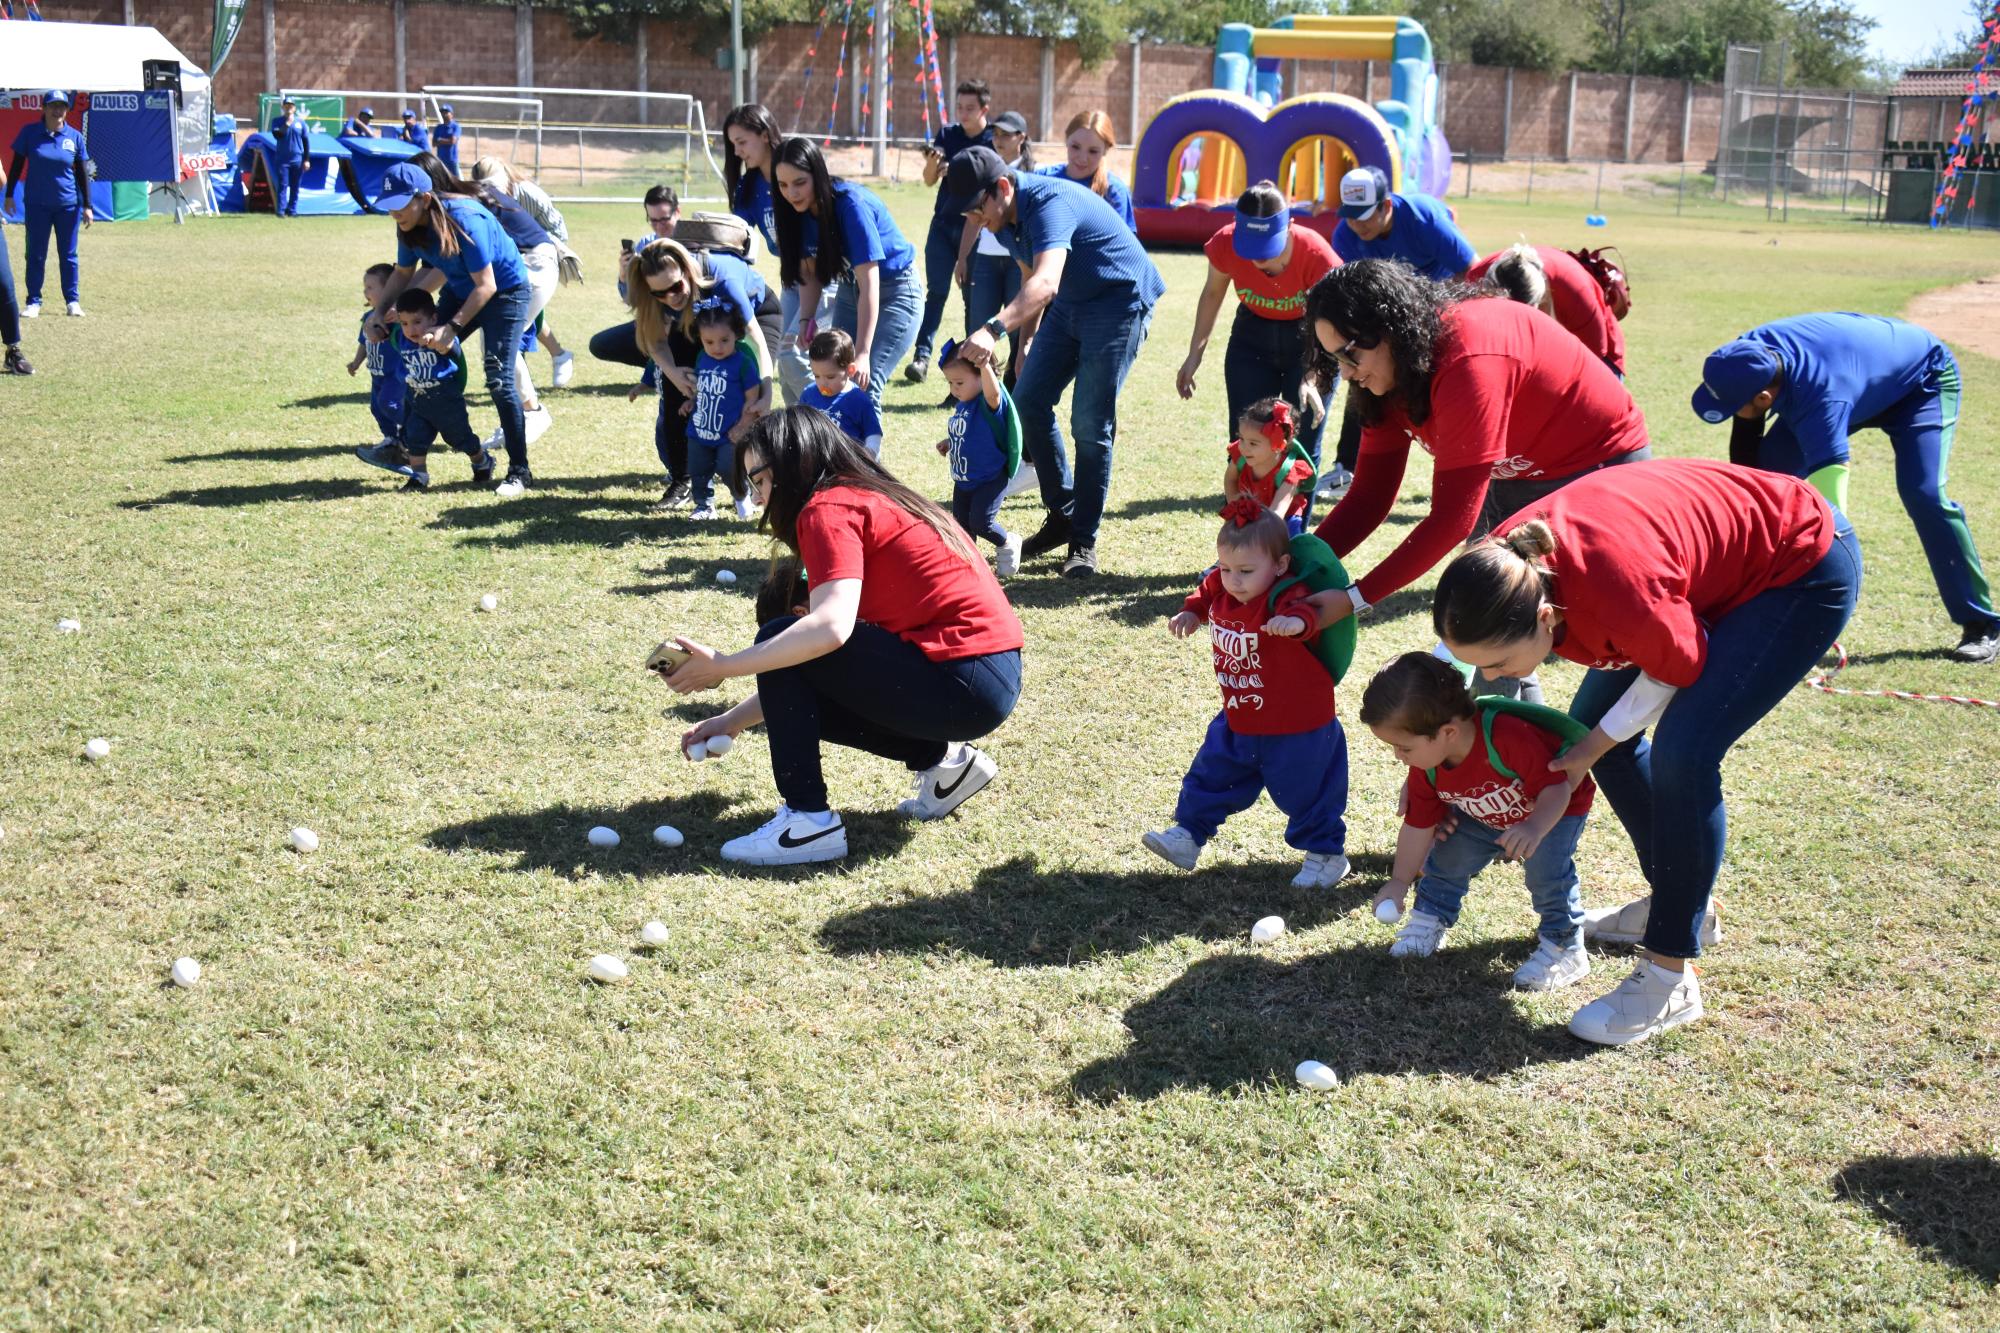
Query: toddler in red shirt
[
  {"x": 1483, "y": 772},
  {"x": 1276, "y": 730},
  {"x": 1266, "y": 464}
]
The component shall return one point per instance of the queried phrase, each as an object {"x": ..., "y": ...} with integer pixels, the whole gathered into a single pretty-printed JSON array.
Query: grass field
[{"x": 1001, "y": 1071}]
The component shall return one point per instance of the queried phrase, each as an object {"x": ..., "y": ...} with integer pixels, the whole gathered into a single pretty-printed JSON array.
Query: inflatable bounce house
[
  {"x": 1203, "y": 149},
  {"x": 341, "y": 175}
]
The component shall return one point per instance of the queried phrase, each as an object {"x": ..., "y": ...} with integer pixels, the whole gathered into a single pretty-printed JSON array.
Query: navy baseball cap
[
  {"x": 1734, "y": 373},
  {"x": 1260, "y": 240},
  {"x": 445, "y": 108},
  {"x": 409, "y": 114},
  {"x": 971, "y": 174},
  {"x": 1013, "y": 122},
  {"x": 400, "y": 184},
  {"x": 55, "y": 95},
  {"x": 1362, "y": 191}
]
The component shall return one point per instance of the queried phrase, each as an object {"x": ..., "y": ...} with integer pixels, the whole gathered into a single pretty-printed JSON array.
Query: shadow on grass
[
  {"x": 1130, "y": 599},
  {"x": 299, "y": 453},
  {"x": 686, "y": 573},
  {"x": 1248, "y": 1020},
  {"x": 356, "y": 397},
  {"x": 230, "y": 497},
  {"x": 546, "y": 517},
  {"x": 1018, "y": 915},
  {"x": 1949, "y": 1206},
  {"x": 554, "y": 839}
]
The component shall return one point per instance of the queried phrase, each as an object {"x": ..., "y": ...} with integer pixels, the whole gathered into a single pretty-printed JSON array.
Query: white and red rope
[{"x": 1823, "y": 682}]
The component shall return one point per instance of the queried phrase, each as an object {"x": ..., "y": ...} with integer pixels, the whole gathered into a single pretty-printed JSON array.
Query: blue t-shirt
[
  {"x": 753, "y": 205},
  {"x": 868, "y": 235},
  {"x": 852, "y": 409},
  {"x": 1421, "y": 234},
  {"x": 413, "y": 134},
  {"x": 383, "y": 361},
  {"x": 429, "y": 375},
  {"x": 1115, "y": 193},
  {"x": 444, "y": 142},
  {"x": 951, "y": 141},
  {"x": 719, "y": 390},
  {"x": 985, "y": 442},
  {"x": 743, "y": 286},
  {"x": 1842, "y": 370},
  {"x": 516, "y": 221},
  {"x": 354, "y": 129},
  {"x": 481, "y": 242},
  {"x": 292, "y": 138},
  {"x": 51, "y": 165},
  {"x": 1106, "y": 261}
]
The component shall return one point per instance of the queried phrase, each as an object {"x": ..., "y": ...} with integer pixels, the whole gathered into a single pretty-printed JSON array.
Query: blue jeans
[
  {"x": 877, "y": 692},
  {"x": 705, "y": 459},
  {"x": 65, "y": 223},
  {"x": 438, "y": 412},
  {"x": 285, "y": 199},
  {"x": 1266, "y": 358},
  {"x": 899, "y": 304},
  {"x": 994, "y": 281},
  {"x": 976, "y": 506},
  {"x": 1668, "y": 792},
  {"x": 1305, "y": 772},
  {"x": 500, "y": 322},
  {"x": 1551, "y": 875},
  {"x": 1095, "y": 345},
  {"x": 940, "y": 264},
  {"x": 794, "y": 367},
  {"x": 10, "y": 308}
]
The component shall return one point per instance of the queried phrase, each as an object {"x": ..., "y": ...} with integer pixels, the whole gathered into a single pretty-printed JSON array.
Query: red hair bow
[
  {"x": 1242, "y": 511},
  {"x": 1278, "y": 430}
]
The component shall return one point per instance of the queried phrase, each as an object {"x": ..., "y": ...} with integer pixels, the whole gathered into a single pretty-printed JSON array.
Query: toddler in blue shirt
[
  {"x": 983, "y": 442},
  {"x": 831, "y": 355},
  {"x": 730, "y": 394},
  {"x": 385, "y": 366}
]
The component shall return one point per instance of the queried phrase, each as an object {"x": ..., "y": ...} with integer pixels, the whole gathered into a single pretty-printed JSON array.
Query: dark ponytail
[{"x": 1495, "y": 591}]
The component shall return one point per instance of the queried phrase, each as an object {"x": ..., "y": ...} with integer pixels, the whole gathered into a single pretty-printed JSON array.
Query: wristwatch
[
  {"x": 457, "y": 329},
  {"x": 995, "y": 327}
]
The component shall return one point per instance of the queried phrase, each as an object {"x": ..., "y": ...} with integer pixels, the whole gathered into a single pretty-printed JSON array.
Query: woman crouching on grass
[{"x": 908, "y": 648}]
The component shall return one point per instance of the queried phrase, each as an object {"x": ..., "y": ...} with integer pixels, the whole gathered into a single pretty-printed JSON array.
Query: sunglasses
[
  {"x": 1345, "y": 352},
  {"x": 664, "y": 294}
]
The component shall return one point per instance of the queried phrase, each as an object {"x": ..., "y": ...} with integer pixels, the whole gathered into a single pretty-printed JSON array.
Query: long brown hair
[
  {"x": 1495, "y": 591},
  {"x": 438, "y": 222},
  {"x": 662, "y": 254},
  {"x": 1098, "y": 123},
  {"x": 806, "y": 454},
  {"x": 756, "y": 118}
]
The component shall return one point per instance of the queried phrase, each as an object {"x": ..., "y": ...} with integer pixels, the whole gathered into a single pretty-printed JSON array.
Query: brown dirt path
[{"x": 1968, "y": 315}]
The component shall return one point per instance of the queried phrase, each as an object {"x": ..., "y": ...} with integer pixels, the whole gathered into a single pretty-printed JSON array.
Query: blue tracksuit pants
[{"x": 1305, "y": 772}]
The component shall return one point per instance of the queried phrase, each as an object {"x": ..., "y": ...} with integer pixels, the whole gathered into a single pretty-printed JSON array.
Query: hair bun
[{"x": 1532, "y": 540}]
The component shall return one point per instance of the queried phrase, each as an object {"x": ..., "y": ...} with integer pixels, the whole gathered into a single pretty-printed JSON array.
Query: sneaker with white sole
[
  {"x": 790, "y": 838},
  {"x": 1322, "y": 870},
  {"x": 1419, "y": 937},
  {"x": 75, "y": 309},
  {"x": 705, "y": 514},
  {"x": 565, "y": 369},
  {"x": 1008, "y": 563},
  {"x": 1552, "y": 966},
  {"x": 746, "y": 508},
  {"x": 1627, "y": 924},
  {"x": 945, "y": 787},
  {"x": 32, "y": 310},
  {"x": 537, "y": 423},
  {"x": 1174, "y": 844},
  {"x": 1333, "y": 483},
  {"x": 1645, "y": 1004}
]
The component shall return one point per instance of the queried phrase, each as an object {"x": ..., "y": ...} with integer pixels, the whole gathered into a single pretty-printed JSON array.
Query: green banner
[{"x": 228, "y": 19}]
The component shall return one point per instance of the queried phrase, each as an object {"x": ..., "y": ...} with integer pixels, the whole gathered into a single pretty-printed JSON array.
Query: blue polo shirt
[
  {"x": 951, "y": 141},
  {"x": 444, "y": 142},
  {"x": 1842, "y": 370},
  {"x": 1115, "y": 193},
  {"x": 516, "y": 221},
  {"x": 291, "y": 138},
  {"x": 1106, "y": 261},
  {"x": 354, "y": 129},
  {"x": 719, "y": 390},
  {"x": 852, "y": 409},
  {"x": 868, "y": 235},
  {"x": 1421, "y": 234},
  {"x": 413, "y": 134},
  {"x": 52, "y": 160},
  {"x": 985, "y": 442},
  {"x": 481, "y": 242},
  {"x": 753, "y": 205}
]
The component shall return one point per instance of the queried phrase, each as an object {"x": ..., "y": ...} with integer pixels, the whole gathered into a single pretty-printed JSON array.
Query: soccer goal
[{"x": 514, "y": 124}]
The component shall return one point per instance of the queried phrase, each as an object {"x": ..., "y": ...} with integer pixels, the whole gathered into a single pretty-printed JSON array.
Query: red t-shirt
[
  {"x": 1579, "y": 302},
  {"x": 912, "y": 584},
  {"x": 1282, "y": 296},
  {"x": 1271, "y": 685},
  {"x": 1512, "y": 395},
  {"x": 1264, "y": 490},
  {"x": 1478, "y": 789},
  {"x": 1648, "y": 556}
]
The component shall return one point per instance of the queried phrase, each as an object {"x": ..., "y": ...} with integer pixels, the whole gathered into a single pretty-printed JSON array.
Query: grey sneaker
[
  {"x": 919, "y": 368},
  {"x": 1552, "y": 966},
  {"x": 1174, "y": 844},
  {"x": 1981, "y": 643},
  {"x": 1627, "y": 924},
  {"x": 1082, "y": 562},
  {"x": 1645, "y": 1004},
  {"x": 1322, "y": 870},
  {"x": 1419, "y": 937}
]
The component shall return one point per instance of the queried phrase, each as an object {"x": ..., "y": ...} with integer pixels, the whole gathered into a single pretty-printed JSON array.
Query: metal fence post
[
  {"x": 1597, "y": 201},
  {"x": 1468, "y": 175},
  {"x": 1531, "y": 178},
  {"x": 1682, "y": 191}
]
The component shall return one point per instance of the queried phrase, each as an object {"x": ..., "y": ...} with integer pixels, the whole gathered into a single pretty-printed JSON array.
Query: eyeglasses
[
  {"x": 761, "y": 470},
  {"x": 1345, "y": 352}
]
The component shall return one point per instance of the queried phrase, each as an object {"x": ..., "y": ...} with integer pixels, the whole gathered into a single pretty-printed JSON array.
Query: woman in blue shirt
[
  {"x": 1089, "y": 141},
  {"x": 486, "y": 288},
  {"x": 750, "y": 142},
  {"x": 832, "y": 229},
  {"x": 53, "y": 159}
]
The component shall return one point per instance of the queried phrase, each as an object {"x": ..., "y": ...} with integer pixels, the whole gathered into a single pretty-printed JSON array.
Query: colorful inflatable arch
[{"x": 1201, "y": 149}]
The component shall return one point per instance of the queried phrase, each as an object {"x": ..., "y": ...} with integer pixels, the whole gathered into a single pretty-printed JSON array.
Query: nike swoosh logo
[
  {"x": 786, "y": 839},
  {"x": 942, "y": 793}
]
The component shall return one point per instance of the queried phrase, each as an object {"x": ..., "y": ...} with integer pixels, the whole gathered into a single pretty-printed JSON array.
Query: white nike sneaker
[
  {"x": 790, "y": 838},
  {"x": 1551, "y": 966},
  {"x": 1322, "y": 870},
  {"x": 565, "y": 369},
  {"x": 1627, "y": 924},
  {"x": 1419, "y": 937},
  {"x": 537, "y": 423},
  {"x": 1645, "y": 1004},
  {"x": 946, "y": 787},
  {"x": 32, "y": 310},
  {"x": 1175, "y": 845},
  {"x": 75, "y": 310},
  {"x": 1008, "y": 563},
  {"x": 1333, "y": 483}
]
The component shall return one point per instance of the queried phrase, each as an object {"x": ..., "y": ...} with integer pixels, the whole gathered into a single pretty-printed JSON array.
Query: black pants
[
  {"x": 877, "y": 692},
  {"x": 619, "y": 345},
  {"x": 1266, "y": 359}
]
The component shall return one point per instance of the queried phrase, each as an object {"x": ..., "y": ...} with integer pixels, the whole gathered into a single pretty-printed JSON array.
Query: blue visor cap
[
  {"x": 400, "y": 184},
  {"x": 1733, "y": 374},
  {"x": 1260, "y": 240}
]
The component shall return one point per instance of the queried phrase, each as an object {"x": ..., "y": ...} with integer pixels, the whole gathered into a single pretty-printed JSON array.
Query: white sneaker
[
  {"x": 1627, "y": 924},
  {"x": 497, "y": 440},
  {"x": 1551, "y": 966},
  {"x": 1174, "y": 844},
  {"x": 565, "y": 369},
  {"x": 1334, "y": 483},
  {"x": 704, "y": 514},
  {"x": 1419, "y": 937},
  {"x": 75, "y": 310},
  {"x": 33, "y": 310},
  {"x": 1322, "y": 870},
  {"x": 790, "y": 838},
  {"x": 1027, "y": 479},
  {"x": 944, "y": 788},
  {"x": 1008, "y": 563},
  {"x": 746, "y": 508},
  {"x": 1645, "y": 1004},
  {"x": 537, "y": 423}
]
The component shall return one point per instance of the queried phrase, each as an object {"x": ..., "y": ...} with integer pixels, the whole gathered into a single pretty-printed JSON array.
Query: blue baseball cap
[
  {"x": 1734, "y": 373},
  {"x": 444, "y": 108},
  {"x": 1261, "y": 240},
  {"x": 400, "y": 184},
  {"x": 409, "y": 114},
  {"x": 1362, "y": 191},
  {"x": 55, "y": 95},
  {"x": 365, "y": 113}
]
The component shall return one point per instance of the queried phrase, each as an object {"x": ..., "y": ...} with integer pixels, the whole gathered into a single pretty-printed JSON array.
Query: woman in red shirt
[
  {"x": 1272, "y": 265},
  {"x": 1698, "y": 594},
  {"x": 1507, "y": 403},
  {"x": 1554, "y": 283},
  {"x": 908, "y": 648}
]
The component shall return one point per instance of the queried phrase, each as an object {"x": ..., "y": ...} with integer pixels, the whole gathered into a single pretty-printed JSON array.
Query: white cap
[{"x": 1362, "y": 191}]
